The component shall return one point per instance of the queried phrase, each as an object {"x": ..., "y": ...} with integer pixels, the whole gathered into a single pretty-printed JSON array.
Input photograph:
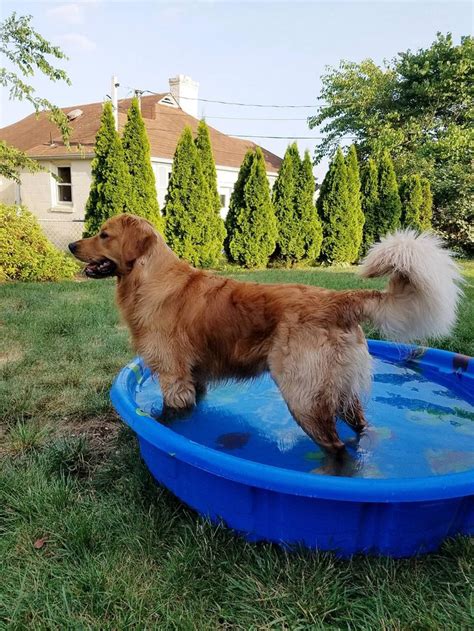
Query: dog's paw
[{"x": 167, "y": 414}]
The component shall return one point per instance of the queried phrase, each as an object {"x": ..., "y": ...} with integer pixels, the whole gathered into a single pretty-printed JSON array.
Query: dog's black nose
[{"x": 72, "y": 247}]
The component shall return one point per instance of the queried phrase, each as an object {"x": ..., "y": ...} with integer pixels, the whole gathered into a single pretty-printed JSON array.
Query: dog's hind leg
[
  {"x": 315, "y": 376},
  {"x": 353, "y": 414},
  {"x": 320, "y": 425},
  {"x": 313, "y": 408}
]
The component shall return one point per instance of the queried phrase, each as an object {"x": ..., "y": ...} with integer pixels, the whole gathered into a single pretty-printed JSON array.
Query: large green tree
[
  {"x": 187, "y": 216},
  {"x": 252, "y": 226},
  {"x": 237, "y": 202},
  {"x": 110, "y": 185},
  {"x": 310, "y": 228},
  {"x": 355, "y": 200},
  {"x": 28, "y": 54},
  {"x": 290, "y": 246},
  {"x": 299, "y": 227},
  {"x": 426, "y": 211},
  {"x": 370, "y": 204},
  {"x": 216, "y": 227},
  {"x": 411, "y": 194},
  {"x": 142, "y": 199},
  {"x": 390, "y": 206},
  {"x": 334, "y": 210},
  {"x": 420, "y": 107}
]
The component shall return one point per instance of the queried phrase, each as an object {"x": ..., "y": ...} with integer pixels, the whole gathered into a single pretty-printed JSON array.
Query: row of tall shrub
[{"x": 355, "y": 206}]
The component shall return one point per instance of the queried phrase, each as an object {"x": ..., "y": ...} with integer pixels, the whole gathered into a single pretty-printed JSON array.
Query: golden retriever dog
[{"x": 193, "y": 327}]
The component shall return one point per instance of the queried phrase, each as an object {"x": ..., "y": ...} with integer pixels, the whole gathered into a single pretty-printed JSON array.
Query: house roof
[{"x": 40, "y": 138}]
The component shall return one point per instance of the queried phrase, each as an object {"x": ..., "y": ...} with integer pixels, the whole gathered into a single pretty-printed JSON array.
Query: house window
[
  {"x": 64, "y": 185},
  {"x": 222, "y": 196}
]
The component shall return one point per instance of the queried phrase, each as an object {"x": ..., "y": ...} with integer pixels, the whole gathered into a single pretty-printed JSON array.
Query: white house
[{"x": 60, "y": 205}]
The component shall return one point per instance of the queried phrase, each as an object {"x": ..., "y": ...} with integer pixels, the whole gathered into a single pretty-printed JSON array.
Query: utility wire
[
  {"x": 254, "y": 119},
  {"x": 166, "y": 130},
  {"x": 245, "y": 118},
  {"x": 289, "y": 137},
  {"x": 235, "y": 103}
]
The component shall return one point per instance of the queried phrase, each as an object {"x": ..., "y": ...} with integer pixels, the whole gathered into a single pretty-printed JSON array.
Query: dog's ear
[{"x": 138, "y": 237}]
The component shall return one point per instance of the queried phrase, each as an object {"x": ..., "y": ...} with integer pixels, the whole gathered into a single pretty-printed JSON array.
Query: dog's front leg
[{"x": 179, "y": 394}]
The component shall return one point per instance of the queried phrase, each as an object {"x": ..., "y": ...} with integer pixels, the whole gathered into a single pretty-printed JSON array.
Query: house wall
[
  {"x": 226, "y": 178},
  {"x": 63, "y": 222},
  {"x": 8, "y": 191},
  {"x": 38, "y": 191}
]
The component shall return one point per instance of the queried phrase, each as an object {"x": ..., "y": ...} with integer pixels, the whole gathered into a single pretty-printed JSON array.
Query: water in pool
[{"x": 418, "y": 427}]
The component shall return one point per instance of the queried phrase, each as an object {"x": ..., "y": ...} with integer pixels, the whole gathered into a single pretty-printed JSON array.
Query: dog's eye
[{"x": 103, "y": 235}]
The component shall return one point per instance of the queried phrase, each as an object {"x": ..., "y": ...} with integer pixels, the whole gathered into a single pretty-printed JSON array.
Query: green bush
[
  {"x": 411, "y": 194},
  {"x": 355, "y": 200},
  {"x": 188, "y": 209},
  {"x": 236, "y": 203},
  {"x": 25, "y": 252},
  {"x": 335, "y": 211},
  {"x": 370, "y": 204},
  {"x": 311, "y": 227},
  {"x": 299, "y": 227},
  {"x": 426, "y": 212},
  {"x": 390, "y": 207},
  {"x": 290, "y": 245},
  {"x": 252, "y": 228},
  {"x": 142, "y": 199},
  {"x": 215, "y": 228},
  {"x": 110, "y": 187}
]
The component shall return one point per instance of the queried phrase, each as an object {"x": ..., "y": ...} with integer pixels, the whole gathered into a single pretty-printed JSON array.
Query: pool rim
[{"x": 289, "y": 481}]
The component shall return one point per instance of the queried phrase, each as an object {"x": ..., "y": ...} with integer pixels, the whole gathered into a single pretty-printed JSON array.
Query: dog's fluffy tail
[{"x": 424, "y": 289}]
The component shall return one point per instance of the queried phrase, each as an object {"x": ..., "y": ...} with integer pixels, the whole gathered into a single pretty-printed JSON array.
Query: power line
[
  {"x": 236, "y": 103},
  {"x": 254, "y": 119},
  {"x": 245, "y": 118},
  {"x": 289, "y": 137},
  {"x": 164, "y": 129}
]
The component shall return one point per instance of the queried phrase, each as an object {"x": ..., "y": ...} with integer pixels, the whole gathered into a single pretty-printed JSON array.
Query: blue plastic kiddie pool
[{"x": 239, "y": 457}]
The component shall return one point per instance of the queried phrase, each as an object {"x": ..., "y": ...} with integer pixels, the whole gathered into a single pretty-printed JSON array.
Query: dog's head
[{"x": 114, "y": 250}]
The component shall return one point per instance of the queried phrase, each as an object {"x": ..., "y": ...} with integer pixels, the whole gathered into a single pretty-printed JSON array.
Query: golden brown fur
[{"x": 192, "y": 327}]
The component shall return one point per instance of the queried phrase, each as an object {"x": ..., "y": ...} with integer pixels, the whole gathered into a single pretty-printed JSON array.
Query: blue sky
[{"x": 256, "y": 52}]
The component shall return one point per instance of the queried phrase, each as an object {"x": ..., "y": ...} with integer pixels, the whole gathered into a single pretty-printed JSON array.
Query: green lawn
[{"x": 115, "y": 551}]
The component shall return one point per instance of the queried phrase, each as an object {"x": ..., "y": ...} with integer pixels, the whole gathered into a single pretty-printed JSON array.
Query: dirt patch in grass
[{"x": 100, "y": 431}]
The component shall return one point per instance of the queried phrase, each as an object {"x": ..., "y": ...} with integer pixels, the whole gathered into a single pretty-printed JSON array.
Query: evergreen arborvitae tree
[
  {"x": 370, "y": 204},
  {"x": 426, "y": 211},
  {"x": 237, "y": 202},
  {"x": 215, "y": 226},
  {"x": 334, "y": 210},
  {"x": 390, "y": 208},
  {"x": 355, "y": 201},
  {"x": 290, "y": 245},
  {"x": 110, "y": 179},
  {"x": 311, "y": 231},
  {"x": 142, "y": 199},
  {"x": 186, "y": 208},
  {"x": 411, "y": 194},
  {"x": 252, "y": 227}
]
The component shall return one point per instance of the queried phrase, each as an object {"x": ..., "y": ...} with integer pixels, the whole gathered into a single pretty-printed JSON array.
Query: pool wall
[{"x": 391, "y": 517}]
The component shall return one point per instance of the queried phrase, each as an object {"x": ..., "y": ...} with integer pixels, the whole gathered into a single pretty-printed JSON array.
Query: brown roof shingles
[{"x": 164, "y": 124}]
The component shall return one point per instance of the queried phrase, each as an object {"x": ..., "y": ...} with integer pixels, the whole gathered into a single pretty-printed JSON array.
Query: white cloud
[
  {"x": 71, "y": 13},
  {"x": 78, "y": 42}
]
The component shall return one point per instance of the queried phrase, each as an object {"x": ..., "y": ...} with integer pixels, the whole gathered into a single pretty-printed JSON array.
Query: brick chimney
[{"x": 185, "y": 91}]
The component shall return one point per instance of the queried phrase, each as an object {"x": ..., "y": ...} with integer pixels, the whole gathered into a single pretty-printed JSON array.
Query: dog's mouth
[{"x": 100, "y": 269}]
